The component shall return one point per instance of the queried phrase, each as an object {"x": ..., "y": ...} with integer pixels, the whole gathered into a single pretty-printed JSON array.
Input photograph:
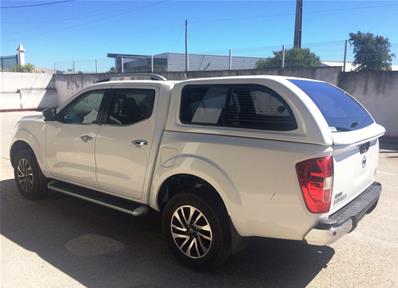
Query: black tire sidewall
[
  {"x": 38, "y": 190},
  {"x": 220, "y": 248}
]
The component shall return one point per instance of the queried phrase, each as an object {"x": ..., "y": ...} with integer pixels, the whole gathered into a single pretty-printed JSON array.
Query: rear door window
[
  {"x": 340, "y": 110},
  {"x": 130, "y": 106},
  {"x": 242, "y": 106}
]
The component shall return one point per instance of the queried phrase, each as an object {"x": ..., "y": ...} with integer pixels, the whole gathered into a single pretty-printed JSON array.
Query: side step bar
[{"x": 107, "y": 200}]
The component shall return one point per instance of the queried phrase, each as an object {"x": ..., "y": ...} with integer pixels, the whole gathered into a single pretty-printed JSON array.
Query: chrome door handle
[
  {"x": 86, "y": 138},
  {"x": 139, "y": 143}
]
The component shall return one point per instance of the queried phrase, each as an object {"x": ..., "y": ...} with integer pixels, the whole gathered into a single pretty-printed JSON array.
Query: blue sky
[{"x": 79, "y": 30}]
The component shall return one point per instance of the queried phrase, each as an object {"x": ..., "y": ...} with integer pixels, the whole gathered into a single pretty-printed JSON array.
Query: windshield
[{"x": 341, "y": 111}]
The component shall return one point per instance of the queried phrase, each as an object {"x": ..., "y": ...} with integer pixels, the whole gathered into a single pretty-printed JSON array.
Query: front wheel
[
  {"x": 30, "y": 181},
  {"x": 197, "y": 233}
]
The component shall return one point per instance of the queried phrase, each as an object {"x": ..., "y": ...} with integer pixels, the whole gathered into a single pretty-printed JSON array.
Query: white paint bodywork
[{"x": 252, "y": 170}]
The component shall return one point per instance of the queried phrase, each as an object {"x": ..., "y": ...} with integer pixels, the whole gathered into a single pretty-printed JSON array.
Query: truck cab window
[
  {"x": 84, "y": 109},
  {"x": 130, "y": 106}
]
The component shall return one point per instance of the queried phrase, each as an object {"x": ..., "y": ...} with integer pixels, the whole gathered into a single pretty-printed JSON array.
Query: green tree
[
  {"x": 112, "y": 70},
  {"x": 371, "y": 52},
  {"x": 22, "y": 68},
  {"x": 295, "y": 57}
]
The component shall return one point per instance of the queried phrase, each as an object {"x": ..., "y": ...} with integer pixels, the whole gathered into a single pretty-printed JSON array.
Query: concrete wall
[
  {"x": 329, "y": 74},
  {"x": 69, "y": 84},
  {"x": 26, "y": 91},
  {"x": 378, "y": 92},
  {"x": 13, "y": 81}
]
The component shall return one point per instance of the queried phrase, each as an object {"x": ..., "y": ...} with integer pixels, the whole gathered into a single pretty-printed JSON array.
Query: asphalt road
[{"x": 66, "y": 242}]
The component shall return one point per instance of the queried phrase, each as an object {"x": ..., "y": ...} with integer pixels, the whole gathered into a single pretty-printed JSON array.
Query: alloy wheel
[
  {"x": 25, "y": 175},
  {"x": 191, "y": 231}
]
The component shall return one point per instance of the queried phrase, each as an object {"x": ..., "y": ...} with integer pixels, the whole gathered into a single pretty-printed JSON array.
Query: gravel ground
[{"x": 66, "y": 242}]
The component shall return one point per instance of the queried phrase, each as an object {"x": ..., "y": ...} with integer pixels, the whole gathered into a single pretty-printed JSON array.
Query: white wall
[
  {"x": 26, "y": 91},
  {"x": 378, "y": 92},
  {"x": 67, "y": 85},
  {"x": 13, "y": 81}
]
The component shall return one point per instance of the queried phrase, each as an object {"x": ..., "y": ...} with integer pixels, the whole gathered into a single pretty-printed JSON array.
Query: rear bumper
[{"x": 346, "y": 219}]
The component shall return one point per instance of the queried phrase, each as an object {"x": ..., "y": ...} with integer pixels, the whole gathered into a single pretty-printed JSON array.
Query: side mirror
[{"x": 50, "y": 114}]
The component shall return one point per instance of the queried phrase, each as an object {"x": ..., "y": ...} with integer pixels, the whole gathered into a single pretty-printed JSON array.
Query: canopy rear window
[
  {"x": 236, "y": 105},
  {"x": 341, "y": 111}
]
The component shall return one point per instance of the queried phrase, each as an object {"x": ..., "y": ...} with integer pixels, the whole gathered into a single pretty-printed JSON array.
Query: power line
[
  {"x": 288, "y": 14},
  {"x": 100, "y": 11},
  {"x": 35, "y": 5},
  {"x": 94, "y": 20}
]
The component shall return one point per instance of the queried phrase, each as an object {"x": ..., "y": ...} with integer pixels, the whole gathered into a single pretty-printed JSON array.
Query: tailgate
[
  {"x": 355, "y": 137},
  {"x": 356, "y": 156}
]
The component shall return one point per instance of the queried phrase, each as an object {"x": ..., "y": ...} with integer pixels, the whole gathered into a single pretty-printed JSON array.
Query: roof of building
[{"x": 119, "y": 55}]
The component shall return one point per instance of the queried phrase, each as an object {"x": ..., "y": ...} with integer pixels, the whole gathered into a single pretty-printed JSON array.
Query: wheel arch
[
  {"x": 17, "y": 146},
  {"x": 185, "y": 182},
  {"x": 25, "y": 139},
  {"x": 200, "y": 168}
]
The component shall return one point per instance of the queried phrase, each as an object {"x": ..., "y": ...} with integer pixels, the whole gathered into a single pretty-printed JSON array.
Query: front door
[
  {"x": 124, "y": 142},
  {"x": 71, "y": 140}
]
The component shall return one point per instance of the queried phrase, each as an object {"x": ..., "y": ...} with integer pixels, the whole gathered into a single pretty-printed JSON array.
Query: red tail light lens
[{"x": 316, "y": 182}]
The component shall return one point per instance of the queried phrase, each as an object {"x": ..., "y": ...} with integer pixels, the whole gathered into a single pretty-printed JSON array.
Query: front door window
[{"x": 84, "y": 109}]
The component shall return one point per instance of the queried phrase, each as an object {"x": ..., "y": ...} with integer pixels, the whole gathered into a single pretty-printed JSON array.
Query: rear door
[
  {"x": 124, "y": 142},
  {"x": 355, "y": 139}
]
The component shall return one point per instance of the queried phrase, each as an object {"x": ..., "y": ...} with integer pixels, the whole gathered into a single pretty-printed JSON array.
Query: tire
[
  {"x": 30, "y": 182},
  {"x": 199, "y": 248}
]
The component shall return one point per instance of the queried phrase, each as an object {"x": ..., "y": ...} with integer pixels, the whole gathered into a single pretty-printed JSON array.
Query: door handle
[
  {"x": 139, "y": 143},
  {"x": 86, "y": 138}
]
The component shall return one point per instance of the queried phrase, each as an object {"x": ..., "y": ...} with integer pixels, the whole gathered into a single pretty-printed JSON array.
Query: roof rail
[{"x": 134, "y": 76}]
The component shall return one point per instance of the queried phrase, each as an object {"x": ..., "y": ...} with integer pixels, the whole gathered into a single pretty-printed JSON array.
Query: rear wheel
[
  {"x": 30, "y": 181},
  {"x": 197, "y": 233}
]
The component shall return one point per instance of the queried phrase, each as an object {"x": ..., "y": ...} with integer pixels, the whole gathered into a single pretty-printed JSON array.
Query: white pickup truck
[{"x": 222, "y": 159}]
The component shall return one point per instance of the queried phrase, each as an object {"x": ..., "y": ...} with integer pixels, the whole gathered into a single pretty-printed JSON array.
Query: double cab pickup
[{"x": 221, "y": 159}]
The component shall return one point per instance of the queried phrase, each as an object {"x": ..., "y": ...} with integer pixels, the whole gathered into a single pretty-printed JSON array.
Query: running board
[{"x": 107, "y": 200}]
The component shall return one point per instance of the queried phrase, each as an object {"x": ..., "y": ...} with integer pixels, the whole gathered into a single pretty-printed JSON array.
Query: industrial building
[{"x": 175, "y": 62}]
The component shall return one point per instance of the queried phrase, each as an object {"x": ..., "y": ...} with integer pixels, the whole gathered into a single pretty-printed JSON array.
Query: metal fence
[
  {"x": 84, "y": 66},
  {"x": 331, "y": 53}
]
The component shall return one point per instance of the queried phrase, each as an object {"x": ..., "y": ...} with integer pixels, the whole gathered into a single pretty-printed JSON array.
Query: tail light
[{"x": 316, "y": 182}]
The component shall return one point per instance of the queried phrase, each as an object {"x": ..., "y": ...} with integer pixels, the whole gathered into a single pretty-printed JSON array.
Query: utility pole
[
  {"x": 283, "y": 56},
  {"x": 230, "y": 60},
  {"x": 186, "y": 47},
  {"x": 345, "y": 55},
  {"x": 298, "y": 24}
]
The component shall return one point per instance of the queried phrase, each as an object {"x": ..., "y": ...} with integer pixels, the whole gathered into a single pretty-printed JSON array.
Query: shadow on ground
[
  {"x": 100, "y": 247},
  {"x": 389, "y": 148}
]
